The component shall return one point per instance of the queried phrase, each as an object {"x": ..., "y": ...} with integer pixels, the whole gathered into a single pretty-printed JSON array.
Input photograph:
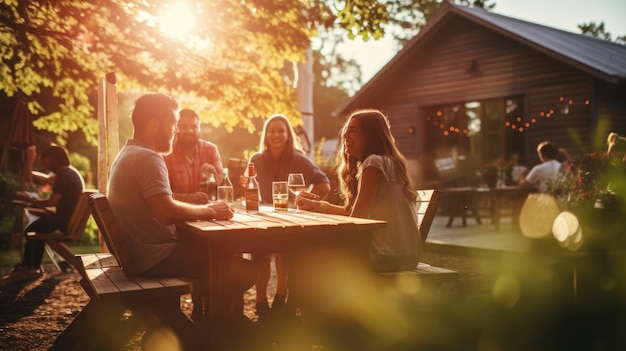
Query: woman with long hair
[
  {"x": 374, "y": 183},
  {"x": 280, "y": 154}
]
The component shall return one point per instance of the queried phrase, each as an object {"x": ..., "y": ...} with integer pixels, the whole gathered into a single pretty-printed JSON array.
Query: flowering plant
[
  {"x": 594, "y": 190},
  {"x": 592, "y": 180}
]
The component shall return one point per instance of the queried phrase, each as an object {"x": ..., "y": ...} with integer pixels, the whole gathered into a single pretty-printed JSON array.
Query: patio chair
[{"x": 56, "y": 242}]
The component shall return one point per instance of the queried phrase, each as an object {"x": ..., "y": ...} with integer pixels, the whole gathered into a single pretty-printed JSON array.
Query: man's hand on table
[{"x": 221, "y": 210}]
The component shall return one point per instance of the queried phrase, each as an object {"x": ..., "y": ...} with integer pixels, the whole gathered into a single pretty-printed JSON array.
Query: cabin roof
[{"x": 602, "y": 59}]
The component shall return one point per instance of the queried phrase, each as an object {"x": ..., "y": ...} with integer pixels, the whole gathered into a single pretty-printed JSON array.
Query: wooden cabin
[{"x": 474, "y": 87}]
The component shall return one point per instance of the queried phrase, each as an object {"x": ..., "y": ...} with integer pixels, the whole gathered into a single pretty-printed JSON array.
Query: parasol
[{"x": 21, "y": 138}]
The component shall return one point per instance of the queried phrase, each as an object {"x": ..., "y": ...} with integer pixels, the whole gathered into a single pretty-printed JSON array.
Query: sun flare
[{"x": 178, "y": 22}]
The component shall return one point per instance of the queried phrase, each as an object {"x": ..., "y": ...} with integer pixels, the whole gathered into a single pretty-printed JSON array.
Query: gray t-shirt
[
  {"x": 138, "y": 173},
  {"x": 398, "y": 245}
]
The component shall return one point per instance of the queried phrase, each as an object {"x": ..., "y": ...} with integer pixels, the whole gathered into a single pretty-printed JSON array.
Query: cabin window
[{"x": 475, "y": 132}]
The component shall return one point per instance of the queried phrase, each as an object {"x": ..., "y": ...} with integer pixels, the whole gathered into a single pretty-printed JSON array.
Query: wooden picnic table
[{"x": 269, "y": 232}]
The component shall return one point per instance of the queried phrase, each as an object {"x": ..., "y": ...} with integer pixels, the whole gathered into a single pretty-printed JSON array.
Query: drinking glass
[
  {"x": 225, "y": 193},
  {"x": 280, "y": 196},
  {"x": 296, "y": 184}
]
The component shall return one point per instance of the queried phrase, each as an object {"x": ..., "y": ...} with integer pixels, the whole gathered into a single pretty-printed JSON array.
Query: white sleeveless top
[{"x": 398, "y": 246}]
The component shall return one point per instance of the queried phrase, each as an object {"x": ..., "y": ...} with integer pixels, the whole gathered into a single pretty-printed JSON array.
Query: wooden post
[
  {"x": 108, "y": 133},
  {"x": 305, "y": 98}
]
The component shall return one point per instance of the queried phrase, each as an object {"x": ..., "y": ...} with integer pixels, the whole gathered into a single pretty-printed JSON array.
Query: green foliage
[
  {"x": 90, "y": 237},
  {"x": 319, "y": 158},
  {"x": 9, "y": 184},
  {"x": 55, "y": 52},
  {"x": 231, "y": 63},
  {"x": 83, "y": 165}
]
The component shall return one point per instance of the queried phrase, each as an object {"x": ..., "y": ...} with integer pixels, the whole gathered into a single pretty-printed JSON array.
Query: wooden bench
[
  {"x": 121, "y": 302},
  {"x": 57, "y": 241},
  {"x": 427, "y": 204}
]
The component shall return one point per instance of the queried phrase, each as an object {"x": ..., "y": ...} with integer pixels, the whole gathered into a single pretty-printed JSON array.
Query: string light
[
  {"x": 564, "y": 106},
  {"x": 520, "y": 126}
]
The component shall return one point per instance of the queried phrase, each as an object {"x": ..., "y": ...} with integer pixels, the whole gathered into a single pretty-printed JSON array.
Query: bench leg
[{"x": 64, "y": 251}]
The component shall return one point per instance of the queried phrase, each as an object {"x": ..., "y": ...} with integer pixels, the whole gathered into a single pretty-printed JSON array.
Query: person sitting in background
[
  {"x": 67, "y": 185},
  {"x": 541, "y": 175},
  {"x": 189, "y": 157},
  {"x": 616, "y": 146},
  {"x": 280, "y": 154},
  {"x": 375, "y": 184},
  {"x": 616, "y": 152}
]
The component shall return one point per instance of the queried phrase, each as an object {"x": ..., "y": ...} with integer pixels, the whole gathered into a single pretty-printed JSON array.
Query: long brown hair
[{"x": 380, "y": 141}]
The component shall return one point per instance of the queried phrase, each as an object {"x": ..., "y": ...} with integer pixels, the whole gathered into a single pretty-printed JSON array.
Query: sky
[{"x": 561, "y": 14}]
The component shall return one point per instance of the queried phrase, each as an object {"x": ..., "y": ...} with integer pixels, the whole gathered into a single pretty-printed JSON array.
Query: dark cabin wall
[
  {"x": 611, "y": 108},
  {"x": 566, "y": 130},
  {"x": 435, "y": 73}
]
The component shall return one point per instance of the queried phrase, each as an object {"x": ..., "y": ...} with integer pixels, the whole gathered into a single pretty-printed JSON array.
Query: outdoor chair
[
  {"x": 427, "y": 204},
  {"x": 112, "y": 233},
  {"x": 56, "y": 242}
]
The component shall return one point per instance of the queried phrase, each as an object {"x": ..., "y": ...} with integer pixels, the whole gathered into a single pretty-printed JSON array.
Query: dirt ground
[{"x": 34, "y": 313}]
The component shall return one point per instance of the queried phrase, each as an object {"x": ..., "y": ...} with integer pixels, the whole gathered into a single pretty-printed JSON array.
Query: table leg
[
  {"x": 463, "y": 208},
  {"x": 460, "y": 207},
  {"x": 495, "y": 208},
  {"x": 457, "y": 209},
  {"x": 212, "y": 303}
]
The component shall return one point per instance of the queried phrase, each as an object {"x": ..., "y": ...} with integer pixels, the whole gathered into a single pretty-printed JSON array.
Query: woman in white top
[{"x": 375, "y": 183}]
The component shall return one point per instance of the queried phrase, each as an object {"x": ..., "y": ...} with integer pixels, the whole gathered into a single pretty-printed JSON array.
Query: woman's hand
[{"x": 308, "y": 202}]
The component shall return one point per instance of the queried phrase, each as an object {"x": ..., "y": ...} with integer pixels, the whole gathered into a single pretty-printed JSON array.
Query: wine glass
[{"x": 295, "y": 183}]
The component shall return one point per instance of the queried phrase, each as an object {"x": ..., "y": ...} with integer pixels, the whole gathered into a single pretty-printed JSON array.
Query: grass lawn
[{"x": 9, "y": 257}]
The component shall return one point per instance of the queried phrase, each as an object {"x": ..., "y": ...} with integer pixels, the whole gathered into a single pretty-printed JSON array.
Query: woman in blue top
[
  {"x": 375, "y": 184},
  {"x": 280, "y": 154}
]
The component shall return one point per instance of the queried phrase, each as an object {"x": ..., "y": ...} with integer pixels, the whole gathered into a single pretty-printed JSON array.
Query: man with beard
[{"x": 189, "y": 155}]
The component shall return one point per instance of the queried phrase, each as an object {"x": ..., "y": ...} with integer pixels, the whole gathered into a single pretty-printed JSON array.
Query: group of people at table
[
  {"x": 154, "y": 180},
  {"x": 154, "y": 185}
]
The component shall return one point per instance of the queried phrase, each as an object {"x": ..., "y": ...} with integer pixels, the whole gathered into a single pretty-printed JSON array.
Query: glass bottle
[
  {"x": 212, "y": 187},
  {"x": 225, "y": 179},
  {"x": 203, "y": 187},
  {"x": 252, "y": 191},
  {"x": 225, "y": 191}
]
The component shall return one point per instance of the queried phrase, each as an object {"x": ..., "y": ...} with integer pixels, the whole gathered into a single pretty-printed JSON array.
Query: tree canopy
[
  {"x": 233, "y": 59},
  {"x": 54, "y": 53}
]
